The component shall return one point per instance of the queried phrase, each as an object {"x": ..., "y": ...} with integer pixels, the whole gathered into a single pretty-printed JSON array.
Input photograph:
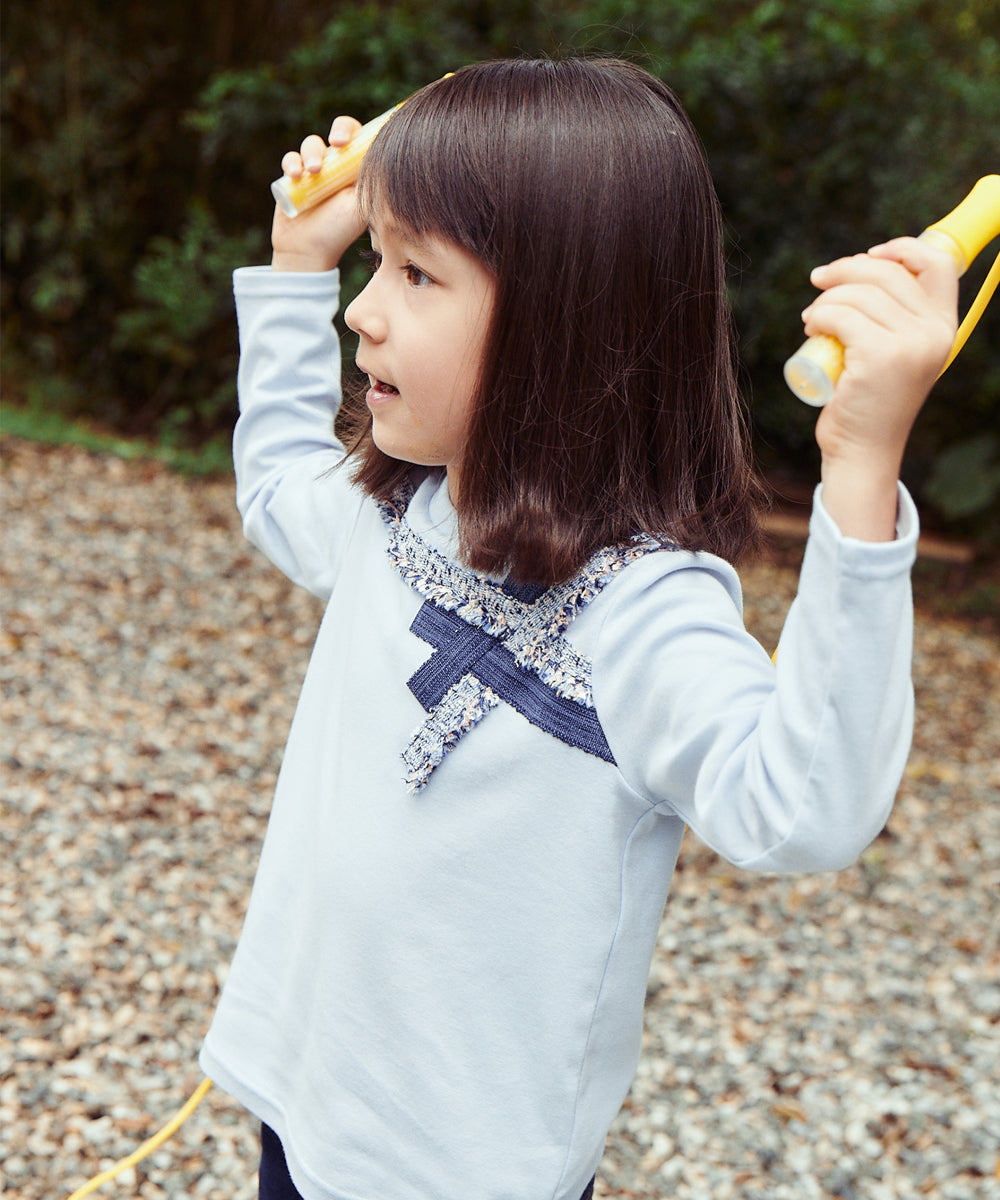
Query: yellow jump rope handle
[
  {"x": 340, "y": 169},
  {"x": 816, "y": 366}
]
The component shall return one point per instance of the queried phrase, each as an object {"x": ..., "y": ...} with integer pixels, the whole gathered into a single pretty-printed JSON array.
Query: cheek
[
  {"x": 446, "y": 424},
  {"x": 467, "y": 372},
  {"x": 463, "y": 395},
  {"x": 449, "y": 387}
]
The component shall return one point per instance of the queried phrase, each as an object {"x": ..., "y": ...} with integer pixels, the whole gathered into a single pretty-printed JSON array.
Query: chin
[{"x": 405, "y": 453}]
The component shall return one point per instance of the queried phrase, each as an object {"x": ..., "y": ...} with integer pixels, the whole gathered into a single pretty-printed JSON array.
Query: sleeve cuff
[
  {"x": 265, "y": 282},
  {"x": 869, "y": 559}
]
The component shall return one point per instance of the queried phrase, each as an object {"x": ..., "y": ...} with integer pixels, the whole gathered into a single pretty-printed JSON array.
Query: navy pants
[{"x": 276, "y": 1183}]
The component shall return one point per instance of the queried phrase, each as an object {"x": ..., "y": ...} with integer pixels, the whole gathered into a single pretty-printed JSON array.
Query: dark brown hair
[{"x": 607, "y": 403}]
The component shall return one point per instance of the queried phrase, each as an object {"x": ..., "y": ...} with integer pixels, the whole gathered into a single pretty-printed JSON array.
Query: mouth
[
  {"x": 380, "y": 394},
  {"x": 379, "y": 390}
]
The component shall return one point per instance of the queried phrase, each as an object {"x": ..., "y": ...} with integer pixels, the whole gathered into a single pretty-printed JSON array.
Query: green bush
[
  {"x": 99, "y": 175},
  {"x": 137, "y": 159},
  {"x": 181, "y": 325}
]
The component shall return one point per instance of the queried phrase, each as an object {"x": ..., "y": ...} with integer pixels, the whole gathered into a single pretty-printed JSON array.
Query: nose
[{"x": 364, "y": 314}]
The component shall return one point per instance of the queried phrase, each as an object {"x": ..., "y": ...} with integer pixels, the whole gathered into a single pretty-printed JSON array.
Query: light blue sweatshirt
[{"x": 438, "y": 991}]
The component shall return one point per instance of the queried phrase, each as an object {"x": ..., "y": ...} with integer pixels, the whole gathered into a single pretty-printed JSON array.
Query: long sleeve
[
  {"x": 294, "y": 503},
  {"x": 793, "y": 768}
]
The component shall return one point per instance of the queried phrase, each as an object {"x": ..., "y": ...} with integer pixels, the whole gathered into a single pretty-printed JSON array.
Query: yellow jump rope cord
[
  {"x": 976, "y": 310},
  {"x": 147, "y": 1147}
]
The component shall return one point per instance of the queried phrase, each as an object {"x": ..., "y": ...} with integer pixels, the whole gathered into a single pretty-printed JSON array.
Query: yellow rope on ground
[{"x": 147, "y": 1147}]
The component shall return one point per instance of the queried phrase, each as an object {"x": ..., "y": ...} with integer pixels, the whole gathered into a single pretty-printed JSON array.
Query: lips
[{"x": 380, "y": 391}]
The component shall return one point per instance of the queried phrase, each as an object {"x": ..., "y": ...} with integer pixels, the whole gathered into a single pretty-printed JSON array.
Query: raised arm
[
  {"x": 797, "y": 768},
  {"x": 293, "y": 508}
]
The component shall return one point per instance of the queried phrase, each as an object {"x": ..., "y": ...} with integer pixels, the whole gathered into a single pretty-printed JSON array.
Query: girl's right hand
[{"x": 316, "y": 240}]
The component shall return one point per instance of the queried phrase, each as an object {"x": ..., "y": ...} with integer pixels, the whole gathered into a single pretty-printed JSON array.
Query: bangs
[{"x": 430, "y": 166}]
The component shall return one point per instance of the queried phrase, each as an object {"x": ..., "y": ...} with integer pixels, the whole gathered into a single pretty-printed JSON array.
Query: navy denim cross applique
[
  {"x": 497, "y": 644},
  {"x": 462, "y": 649}
]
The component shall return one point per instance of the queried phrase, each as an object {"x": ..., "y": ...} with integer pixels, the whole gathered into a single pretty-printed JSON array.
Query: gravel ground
[{"x": 819, "y": 1036}]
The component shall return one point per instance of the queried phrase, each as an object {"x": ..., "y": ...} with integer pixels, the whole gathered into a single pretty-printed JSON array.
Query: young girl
[{"x": 532, "y": 672}]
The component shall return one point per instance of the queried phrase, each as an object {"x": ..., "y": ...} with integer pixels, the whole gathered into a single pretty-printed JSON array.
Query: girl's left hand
[{"x": 895, "y": 311}]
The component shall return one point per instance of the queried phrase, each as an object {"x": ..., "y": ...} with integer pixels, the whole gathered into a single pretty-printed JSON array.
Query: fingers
[
  {"x": 342, "y": 130},
  {"x": 934, "y": 268},
  {"x": 845, "y": 309},
  {"x": 902, "y": 287},
  {"x": 912, "y": 272},
  {"x": 308, "y": 159}
]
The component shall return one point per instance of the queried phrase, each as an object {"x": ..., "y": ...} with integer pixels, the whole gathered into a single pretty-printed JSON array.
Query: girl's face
[{"x": 421, "y": 323}]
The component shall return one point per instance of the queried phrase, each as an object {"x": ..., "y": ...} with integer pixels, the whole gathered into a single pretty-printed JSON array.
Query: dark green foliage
[{"x": 139, "y": 142}]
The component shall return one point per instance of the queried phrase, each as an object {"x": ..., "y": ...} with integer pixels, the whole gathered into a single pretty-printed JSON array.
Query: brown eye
[{"x": 415, "y": 277}]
